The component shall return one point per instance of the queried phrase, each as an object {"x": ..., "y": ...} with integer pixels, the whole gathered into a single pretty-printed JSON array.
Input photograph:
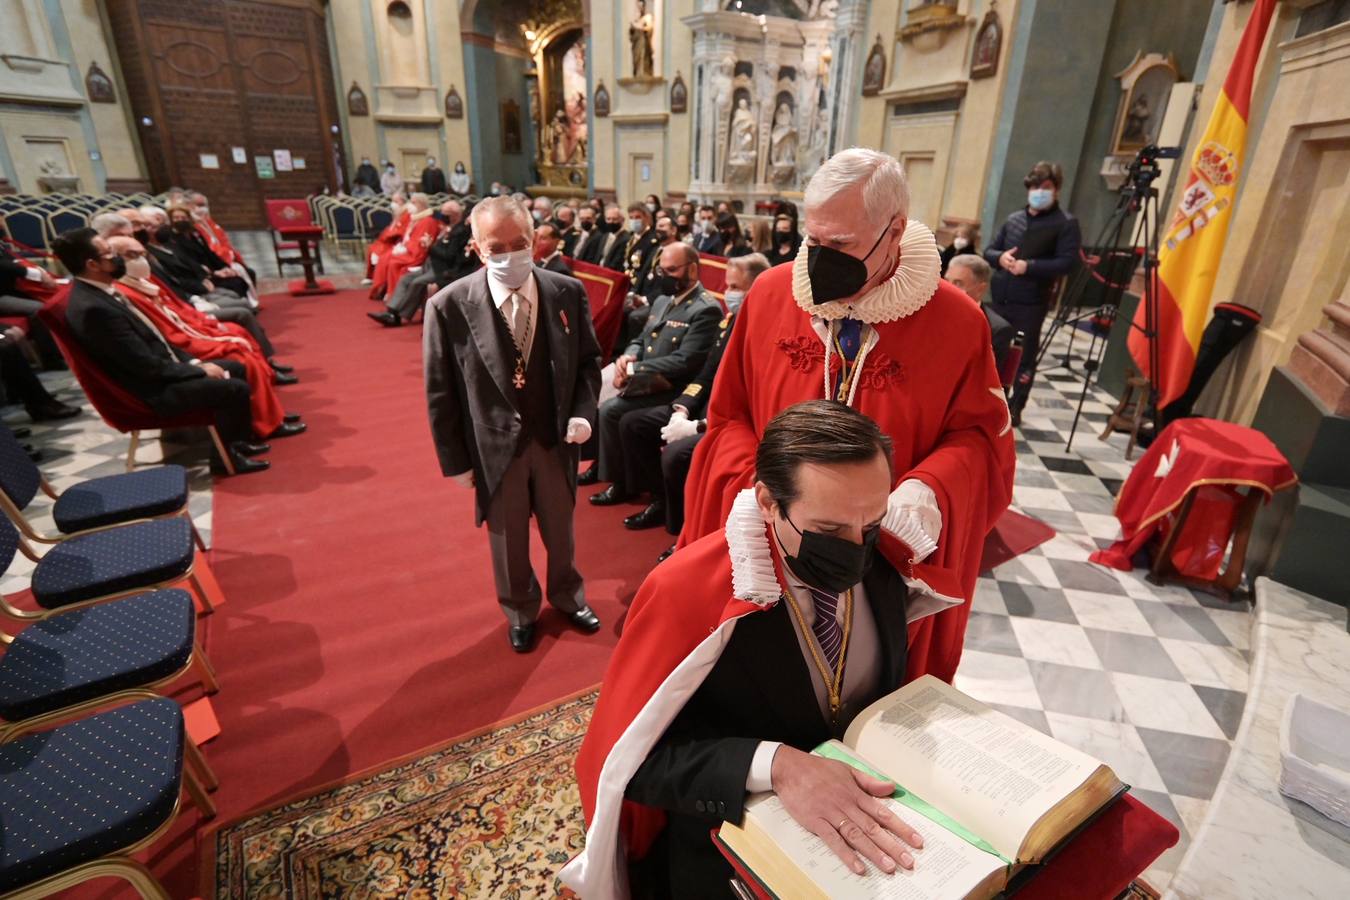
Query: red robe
[
  {"x": 201, "y": 320},
  {"x": 212, "y": 343},
  {"x": 217, "y": 240},
  {"x": 423, "y": 233},
  {"x": 378, "y": 252},
  {"x": 930, "y": 382}
]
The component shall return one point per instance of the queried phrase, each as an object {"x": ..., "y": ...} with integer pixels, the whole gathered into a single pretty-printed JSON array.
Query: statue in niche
[
  {"x": 744, "y": 140},
  {"x": 874, "y": 72},
  {"x": 783, "y": 138},
  {"x": 640, "y": 33},
  {"x": 99, "y": 86},
  {"x": 564, "y": 149}
]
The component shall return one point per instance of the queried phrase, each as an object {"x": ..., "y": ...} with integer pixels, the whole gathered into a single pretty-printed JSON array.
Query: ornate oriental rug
[{"x": 495, "y": 814}]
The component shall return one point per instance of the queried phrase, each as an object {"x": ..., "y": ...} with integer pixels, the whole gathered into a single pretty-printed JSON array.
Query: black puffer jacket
[{"x": 1048, "y": 241}]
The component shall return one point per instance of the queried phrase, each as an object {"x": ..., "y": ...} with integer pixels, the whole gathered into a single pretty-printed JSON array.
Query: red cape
[
  {"x": 420, "y": 237},
  {"x": 666, "y": 650},
  {"x": 930, "y": 382}
]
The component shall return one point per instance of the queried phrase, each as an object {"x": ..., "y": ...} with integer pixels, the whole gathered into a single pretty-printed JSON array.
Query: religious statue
[
  {"x": 783, "y": 138},
  {"x": 640, "y": 38},
  {"x": 743, "y": 132},
  {"x": 1136, "y": 121},
  {"x": 558, "y": 138}
]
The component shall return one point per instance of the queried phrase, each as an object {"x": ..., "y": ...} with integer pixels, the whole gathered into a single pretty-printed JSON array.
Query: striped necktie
[{"x": 826, "y": 626}]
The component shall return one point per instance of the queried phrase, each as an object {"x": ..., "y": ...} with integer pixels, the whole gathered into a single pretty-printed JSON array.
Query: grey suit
[{"x": 479, "y": 423}]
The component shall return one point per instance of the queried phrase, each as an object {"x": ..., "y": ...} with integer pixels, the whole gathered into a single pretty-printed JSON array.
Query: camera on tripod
[{"x": 1144, "y": 167}]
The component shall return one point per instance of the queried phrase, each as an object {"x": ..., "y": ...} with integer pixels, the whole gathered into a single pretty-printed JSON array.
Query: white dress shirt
[{"x": 862, "y": 667}]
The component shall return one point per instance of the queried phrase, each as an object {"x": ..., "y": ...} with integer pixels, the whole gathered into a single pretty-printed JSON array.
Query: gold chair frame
[
  {"x": 198, "y": 781},
  {"x": 190, "y": 576},
  {"x": 225, "y": 457}
]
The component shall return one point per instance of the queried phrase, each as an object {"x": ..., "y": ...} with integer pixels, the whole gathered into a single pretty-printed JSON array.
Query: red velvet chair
[
  {"x": 282, "y": 214},
  {"x": 606, "y": 290},
  {"x": 712, "y": 274},
  {"x": 118, "y": 408}
]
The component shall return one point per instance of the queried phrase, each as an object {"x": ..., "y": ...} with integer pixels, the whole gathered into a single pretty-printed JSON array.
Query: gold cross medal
[{"x": 519, "y": 378}]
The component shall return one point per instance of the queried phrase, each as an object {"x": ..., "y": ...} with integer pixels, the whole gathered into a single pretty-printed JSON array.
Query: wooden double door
[{"x": 233, "y": 98}]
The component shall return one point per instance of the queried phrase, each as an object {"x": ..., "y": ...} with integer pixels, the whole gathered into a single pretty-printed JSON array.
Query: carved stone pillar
[
  {"x": 714, "y": 55},
  {"x": 850, "y": 20}
]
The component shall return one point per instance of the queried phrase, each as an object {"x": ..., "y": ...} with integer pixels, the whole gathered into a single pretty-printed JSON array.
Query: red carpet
[
  {"x": 1013, "y": 535},
  {"x": 362, "y": 623}
]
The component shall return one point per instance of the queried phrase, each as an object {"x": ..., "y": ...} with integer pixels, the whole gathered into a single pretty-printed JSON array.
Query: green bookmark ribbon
[{"x": 832, "y": 750}]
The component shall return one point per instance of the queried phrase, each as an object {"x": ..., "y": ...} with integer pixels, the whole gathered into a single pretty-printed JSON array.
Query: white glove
[
  {"x": 913, "y": 516},
  {"x": 679, "y": 427},
  {"x": 414, "y": 269},
  {"x": 578, "y": 431},
  {"x": 374, "y": 259},
  {"x": 464, "y": 479},
  {"x": 400, "y": 250}
]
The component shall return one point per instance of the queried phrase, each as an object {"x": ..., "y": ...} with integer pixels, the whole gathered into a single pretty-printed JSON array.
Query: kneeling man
[{"x": 740, "y": 654}]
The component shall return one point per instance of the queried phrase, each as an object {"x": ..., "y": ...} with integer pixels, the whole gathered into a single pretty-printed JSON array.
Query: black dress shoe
[
  {"x": 666, "y": 554},
  {"x": 386, "y": 318},
  {"x": 282, "y": 378},
  {"x": 651, "y": 517},
  {"x": 242, "y": 466},
  {"x": 590, "y": 476},
  {"x": 51, "y": 411},
  {"x": 247, "y": 448},
  {"x": 585, "y": 619},
  {"x": 289, "y": 429},
  {"x": 610, "y": 496},
  {"x": 33, "y": 453},
  {"x": 291, "y": 418},
  {"x": 522, "y": 638},
  {"x": 22, "y": 432},
  {"x": 285, "y": 370}
]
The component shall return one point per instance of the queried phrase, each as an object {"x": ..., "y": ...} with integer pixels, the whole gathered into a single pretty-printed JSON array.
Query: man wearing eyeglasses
[{"x": 665, "y": 356}]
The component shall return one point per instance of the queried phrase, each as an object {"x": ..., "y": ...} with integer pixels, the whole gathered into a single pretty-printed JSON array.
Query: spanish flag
[{"x": 1188, "y": 260}]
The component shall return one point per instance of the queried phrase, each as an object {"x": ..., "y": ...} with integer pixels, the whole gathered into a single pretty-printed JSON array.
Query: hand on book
[{"x": 840, "y": 805}]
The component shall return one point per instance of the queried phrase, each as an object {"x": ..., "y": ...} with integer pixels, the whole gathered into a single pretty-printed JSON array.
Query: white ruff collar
[
  {"x": 903, "y": 294},
  {"x": 753, "y": 576}
]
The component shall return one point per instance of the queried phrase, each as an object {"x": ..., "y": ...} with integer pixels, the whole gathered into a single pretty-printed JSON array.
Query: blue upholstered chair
[
  {"x": 74, "y": 661},
  {"x": 77, "y": 800},
  {"x": 103, "y": 565},
  {"x": 158, "y": 493}
]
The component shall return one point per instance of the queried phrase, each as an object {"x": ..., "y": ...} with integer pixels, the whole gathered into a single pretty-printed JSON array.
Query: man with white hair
[
  {"x": 417, "y": 209},
  {"x": 542, "y": 210},
  {"x": 513, "y": 377},
  {"x": 861, "y": 317}
]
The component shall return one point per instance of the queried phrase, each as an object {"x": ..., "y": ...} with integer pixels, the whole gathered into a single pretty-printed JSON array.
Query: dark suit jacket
[
  {"x": 474, "y": 423},
  {"x": 617, "y": 257},
  {"x": 184, "y": 275},
  {"x": 556, "y": 264},
  {"x": 694, "y": 399},
  {"x": 1002, "y": 334},
  {"x": 569, "y": 240},
  {"x": 709, "y": 243},
  {"x": 433, "y": 181},
  {"x": 758, "y": 690},
  {"x": 123, "y": 346},
  {"x": 675, "y": 340},
  {"x": 449, "y": 257}
]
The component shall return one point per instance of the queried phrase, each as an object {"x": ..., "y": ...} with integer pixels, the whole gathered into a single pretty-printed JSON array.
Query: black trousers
[
  {"x": 650, "y": 466},
  {"x": 21, "y": 382},
  {"x": 1028, "y": 319},
  {"x": 245, "y": 319},
  {"x": 226, "y": 398},
  {"x": 612, "y": 411}
]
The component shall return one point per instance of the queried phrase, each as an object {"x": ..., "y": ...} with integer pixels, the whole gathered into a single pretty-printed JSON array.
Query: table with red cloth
[
  {"x": 1185, "y": 490},
  {"x": 1098, "y": 864}
]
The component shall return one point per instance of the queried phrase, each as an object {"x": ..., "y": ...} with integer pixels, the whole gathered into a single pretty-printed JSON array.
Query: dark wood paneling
[{"x": 205, "y": 76}]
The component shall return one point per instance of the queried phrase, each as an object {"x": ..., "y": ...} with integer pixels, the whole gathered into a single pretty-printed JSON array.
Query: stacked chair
[{"x": 93, "y": 761}]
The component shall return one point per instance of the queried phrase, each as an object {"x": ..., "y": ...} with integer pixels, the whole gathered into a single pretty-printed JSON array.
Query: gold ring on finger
[{"x": 840, "y": 827}]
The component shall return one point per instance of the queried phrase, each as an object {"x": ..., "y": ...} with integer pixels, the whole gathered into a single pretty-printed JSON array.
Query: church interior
[{"x": 243, "y": 244}]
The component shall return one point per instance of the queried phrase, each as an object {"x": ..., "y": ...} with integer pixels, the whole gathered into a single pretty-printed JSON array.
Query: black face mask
[
  {"x": 610, "y": 227},
  {"x": 182, "y": 227},
  {"x": 163, "y": 234},
  {"x": 834, "y": 273},
  {"x": 830, "y": 563},
  {"x": 669, "y": 285},
  {"x": 142, "y": 235},
  {"x": 119, "y": 267},
  {"x": 440, "y": 216},
  {"x": 587, "y": 226}
]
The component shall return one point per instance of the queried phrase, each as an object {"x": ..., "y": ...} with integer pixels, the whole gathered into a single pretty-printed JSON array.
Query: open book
[{"x": 988, "y": 793}]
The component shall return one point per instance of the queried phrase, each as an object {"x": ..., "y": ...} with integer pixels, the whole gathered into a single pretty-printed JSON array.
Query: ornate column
[
  {"x": 714, "y": 55},
  {"x": 845, "y": 73}
]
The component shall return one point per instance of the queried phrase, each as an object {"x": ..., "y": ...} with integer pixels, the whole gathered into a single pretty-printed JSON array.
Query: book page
[
  {"x": 993, "y": 774},
  {"x": 946, "y": 866}
]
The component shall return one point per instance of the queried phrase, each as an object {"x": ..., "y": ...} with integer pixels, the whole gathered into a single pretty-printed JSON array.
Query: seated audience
[
  {"x": 413, "y": 212},
  {"x": 680, "y": 425},
  {"x": 410, "y": 254},
  {"x": 189, "y": 332},
  {"x": 541, "y": 209},
  {"x": 761, "y": 237},
  {"x": 668, "y": 353},
  {"x": 641, "y": 242},
  {"x": 393, "y": 233},
  {"x": 218, "y": 240},
  {"x": 786, "y": 240},
  {"x": 684, "y": 229},
  {"x": 729, "y": 229},
  {"x": 645, "y": 284},
  {"x": 610, "y": 241},
  {"x": 448, "y": 259},
  {"x": 565, "y": 218},
  {"x": 707, "y": 239},
  {"x": 128, "y": 350},
  {"x": 548, "y": 249},
  {"x": 963, "y": 241},
  {"x": 972, "y": 274},
  {"x": 24, "y": 287},
  {"x": 584, "y": 234},
  {"x": 652, "y": 204},
  {"x": 806, "y": 532},
  {"x": 22, "y": 384},
  {"x": 188, "y": 243},
  {"x": 181, "y": 282}
]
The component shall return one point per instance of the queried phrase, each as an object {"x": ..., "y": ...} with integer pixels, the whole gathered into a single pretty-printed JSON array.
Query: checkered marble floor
[
  {"x": 1151, "y": 680},
  {"x": 84, "y": 447}
]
